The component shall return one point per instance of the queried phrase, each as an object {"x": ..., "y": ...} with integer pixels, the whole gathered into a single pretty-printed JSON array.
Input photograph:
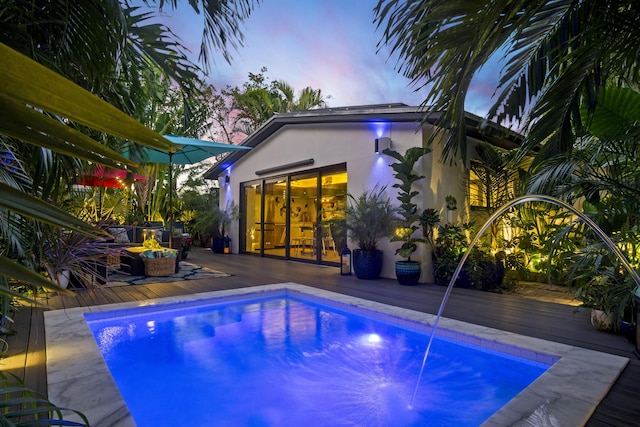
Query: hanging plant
[{"x": 452, "y": 203}]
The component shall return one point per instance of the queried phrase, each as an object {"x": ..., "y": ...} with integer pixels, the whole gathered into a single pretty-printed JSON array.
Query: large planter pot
[
  {"x": 408, "y": 272},
  {"x": 367, "y": 264},
  {"x": 601, "y": 320},
  {"x": 221, "y": 245}
]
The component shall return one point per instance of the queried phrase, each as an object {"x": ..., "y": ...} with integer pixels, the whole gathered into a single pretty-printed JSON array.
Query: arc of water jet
[{"x": 517, "y": 201}]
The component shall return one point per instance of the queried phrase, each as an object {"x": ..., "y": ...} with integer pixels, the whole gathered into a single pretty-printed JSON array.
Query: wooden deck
[{"x": 549, "y": 321}]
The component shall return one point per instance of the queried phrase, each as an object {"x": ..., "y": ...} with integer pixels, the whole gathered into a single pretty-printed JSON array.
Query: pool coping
[{"x": 567, "y": 394}]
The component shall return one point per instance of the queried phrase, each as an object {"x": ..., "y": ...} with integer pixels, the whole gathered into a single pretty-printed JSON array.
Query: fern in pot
[{"x": 221, "y": 243}]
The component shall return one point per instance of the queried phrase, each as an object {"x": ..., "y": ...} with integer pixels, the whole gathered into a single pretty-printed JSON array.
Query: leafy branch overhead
[
  {"x": 29, "y": 90},
  {"x": 557, "y": 56}
]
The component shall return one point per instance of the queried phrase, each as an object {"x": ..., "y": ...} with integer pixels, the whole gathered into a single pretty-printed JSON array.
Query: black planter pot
[
  {"x": 408, "y": 272},
  {"x": 367, "y": 264},
  {"x": 220, "y": 245}
]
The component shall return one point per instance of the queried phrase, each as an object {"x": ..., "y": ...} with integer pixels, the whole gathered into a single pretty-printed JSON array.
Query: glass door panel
[
  {"x": 253, "y": 208},
  {"x": 333, "y": 205},
  {"x": 274, "y": 225},
  {"x": 303, "y": 214}
]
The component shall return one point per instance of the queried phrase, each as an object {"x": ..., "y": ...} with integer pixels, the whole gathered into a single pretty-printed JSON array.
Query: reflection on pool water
[{"x": 284, "y": 360}]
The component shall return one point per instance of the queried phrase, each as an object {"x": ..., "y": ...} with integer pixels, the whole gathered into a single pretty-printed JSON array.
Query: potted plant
[
  {"x": 450, "y": 245},
  {"x": 338, "y": 230},
  {"x": 407, "y": 271},
  {"x": 610, "y": 299},
  {"x": 369, "y": 217},
  {"x": 222, "y": 217},
  {"x": 429, "y": 220},
  {"x": 71, "y": 257},
  {"x": 595, "y": 297},
  {"x": 452, "y": 205}
]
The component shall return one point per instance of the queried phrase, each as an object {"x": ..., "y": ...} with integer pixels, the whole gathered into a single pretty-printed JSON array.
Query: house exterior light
[{"x": 382, "y": 144}]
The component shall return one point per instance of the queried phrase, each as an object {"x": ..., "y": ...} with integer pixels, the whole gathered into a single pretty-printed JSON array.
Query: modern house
[{"x": 294, "y": 182}]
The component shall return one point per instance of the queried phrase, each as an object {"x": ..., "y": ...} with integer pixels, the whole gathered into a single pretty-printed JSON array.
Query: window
[{"x": 488, "y": 189}]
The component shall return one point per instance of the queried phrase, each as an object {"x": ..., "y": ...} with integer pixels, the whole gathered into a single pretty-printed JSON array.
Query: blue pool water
[{"x": 288, "y": 361}]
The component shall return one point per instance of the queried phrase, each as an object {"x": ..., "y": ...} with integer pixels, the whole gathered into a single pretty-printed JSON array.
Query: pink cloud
[{"x": 329, "y": 45}]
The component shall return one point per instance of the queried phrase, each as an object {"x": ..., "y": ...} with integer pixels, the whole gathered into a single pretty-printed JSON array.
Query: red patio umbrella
[
  {"x": 106, "y": 178},
  {"x": 94, "y": 181}
]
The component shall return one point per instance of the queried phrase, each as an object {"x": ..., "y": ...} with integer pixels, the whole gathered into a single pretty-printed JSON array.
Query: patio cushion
[{"x": 119, "y": 234}]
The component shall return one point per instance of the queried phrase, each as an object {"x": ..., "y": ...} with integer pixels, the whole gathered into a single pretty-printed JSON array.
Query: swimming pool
[
  {"x": 284, "y": 360},
  {"x": 76, "y": 370}
]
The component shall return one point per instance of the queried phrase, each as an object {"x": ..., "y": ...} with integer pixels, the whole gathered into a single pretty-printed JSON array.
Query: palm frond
[
  {"x": 558, "y": 55},
  {"x": 23, "y": 204},
  {"x": 23, "y": 403},
  {"x": 31, "y": 84}
]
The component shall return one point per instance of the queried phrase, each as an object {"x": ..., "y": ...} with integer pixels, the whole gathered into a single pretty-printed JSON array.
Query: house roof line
[{"x": 397, "y": 112}]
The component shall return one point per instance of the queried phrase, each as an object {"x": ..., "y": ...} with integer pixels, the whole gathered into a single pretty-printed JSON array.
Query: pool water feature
[
  {"x": 78, "y": 378},
  {"x": 284, "y": 360}
]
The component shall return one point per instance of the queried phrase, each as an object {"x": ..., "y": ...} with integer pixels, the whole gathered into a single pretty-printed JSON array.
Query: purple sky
[{"x": 326, "y": 44}]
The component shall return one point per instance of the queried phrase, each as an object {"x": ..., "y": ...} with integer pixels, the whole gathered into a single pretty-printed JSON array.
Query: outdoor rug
[{"x": 187, "y": 271}]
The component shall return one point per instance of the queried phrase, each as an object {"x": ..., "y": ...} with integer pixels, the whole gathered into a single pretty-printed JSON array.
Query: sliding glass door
[
  {"x": 299, "y": 216},
  {"x": 303, "y": 216},
  {"x": 252, "y": 217},
  {"x": 333, "y": 203}
]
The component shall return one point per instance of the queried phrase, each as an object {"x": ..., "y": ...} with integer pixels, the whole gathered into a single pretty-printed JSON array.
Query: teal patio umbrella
[{"x": 190, "y": 151}]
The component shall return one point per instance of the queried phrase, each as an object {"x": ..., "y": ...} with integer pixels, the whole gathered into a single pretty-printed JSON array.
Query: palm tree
[
  {"x": 222, "y": 24},
  {"x": 604, "y": 164},
  {"x": 41, "y": 108},
  {"x": 43, "y": 112},
  {"x": 558, "y": 56},
  {"x": 257, "y": 101}
]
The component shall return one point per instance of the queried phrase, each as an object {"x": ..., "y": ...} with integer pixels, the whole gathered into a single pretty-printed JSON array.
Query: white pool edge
[{"x": 565, "y": 395}]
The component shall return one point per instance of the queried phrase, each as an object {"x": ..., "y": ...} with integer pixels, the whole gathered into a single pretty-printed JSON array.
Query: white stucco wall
[{"x": 353, "y": 144}]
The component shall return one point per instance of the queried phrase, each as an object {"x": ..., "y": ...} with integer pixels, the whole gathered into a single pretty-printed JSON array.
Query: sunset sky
[{"x": 326, "y": 44}]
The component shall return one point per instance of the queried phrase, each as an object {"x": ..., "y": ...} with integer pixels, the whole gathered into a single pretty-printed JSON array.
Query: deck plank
[{"x": 549, "y": 321}]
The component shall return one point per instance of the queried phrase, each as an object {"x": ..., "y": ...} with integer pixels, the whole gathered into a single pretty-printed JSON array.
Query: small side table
[{"x": 131, "y": 262}]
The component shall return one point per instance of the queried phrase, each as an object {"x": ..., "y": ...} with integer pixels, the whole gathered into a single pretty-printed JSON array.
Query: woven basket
[{"x": 159, "y": 266}]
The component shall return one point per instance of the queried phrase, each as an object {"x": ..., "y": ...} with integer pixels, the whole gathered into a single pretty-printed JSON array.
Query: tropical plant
[
  {"x": 538, "y": 251},
  {"x": 408, "y": 210},
  {"x": 607, "y": 289},
  {"x": 53, "y": 108},
  {"x": 222, "y": 24},
  {"x": 481, "y": 270},
  {"x": 451, "y": 244},
  {"x": 604, "y": 162},
  {"x": 67, "y": 254},
  {"x": 32, "y": 93},
  {"x": 42, "y": 87},
  {"x": 452, "y": 203},
  {"x": 495, "y": 179},
  {"x": 603, "y": 177},
  {"x": 223, "y": 217},
  {"x": 370, "y": 217},
  {"x": 23, "y": 406},
  {"x": 558, "y": 57},
  {"x": 204, "y": 206},
  {"x": 429, "y": 219},
  {"x": 256, "y": 101}
]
